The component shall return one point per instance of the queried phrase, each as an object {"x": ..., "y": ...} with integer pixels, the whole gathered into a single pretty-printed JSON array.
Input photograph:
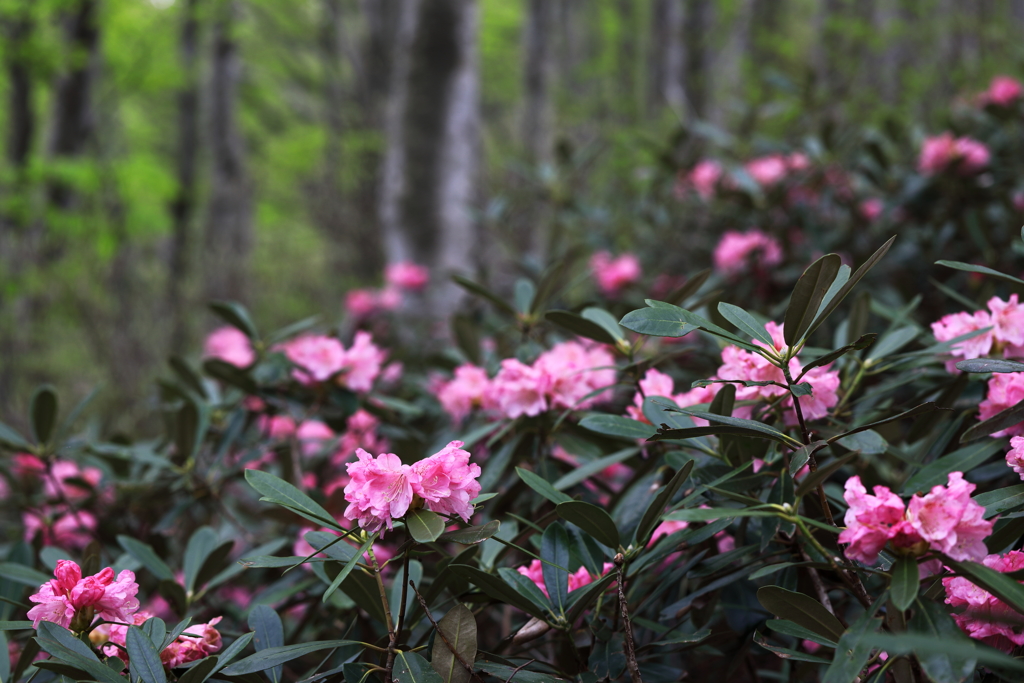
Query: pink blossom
[
  {"x": 1002, "y": 92},
  {"x": 317, "y": 356},
  {"x": 277, "y": 427},
  {"x": 518, "y": 389},
  {"x": 61, "y": 484},
  {"x": 313, "y": 437},
  {"x": 60, "y": 526},
  {"x": 389, "y": 298},
  {"x": 60, "y": 599},
  {"x": 362, "y": 363},
  {"x": 466, "y": 390},
  {"x": 613, "y": 274},
  {"x": 666, "y": 528},
  {"x": 736, "y": 250},
  {"x": 392, "y": 373},
  {"x": 447, "y": 482},
  {"x": 1015, "y": 456},
  {"x": 871, "y": 208},
  {"x": 198, "y": 641},
  {"x": 944, "y": 152},
  {"x": 572, "y": 371},
  {"x": 1004, "y": 391},
  {"x": 231, "y": 346},
  {"x": 950, "y": 521},
  {"x": 653, "y": 383},
  {"x": 361, "y": 302},
  {"x": 577, "y": 579},
  {"x": 767, "y": 170},
  {"x": 986, "y": 617},
  {"x": 956, "y": 324},
  {"x": 407, "y": 275},
  {"x": 872, "y": 520},
  {"x": 380, "y": 490},
  {"x": 705, "y": 177},
  {"x": 360, "y": 432},
  {"x": 1007, "y": 320}
]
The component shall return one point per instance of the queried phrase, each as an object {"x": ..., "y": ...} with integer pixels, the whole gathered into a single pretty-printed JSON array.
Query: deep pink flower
[
  {"x": 64, "y": 596},
  {"x": 1002, "y": 92},
  {"x": 466, "y": 390},
  {"x": 577, "y": 579},
  {"x": 360, "y": 432},
  {"x": 231, "y": 346},
  {"x": 518, "y": 389},
  {"x": 198, "y": 641},
  {"x": 317, "y": 356},
  {"x": 360, "y": 303},
  {"x": 871, "y": 520},
  {"x": 705, "y": 177},
  {"x": 407, "y": 275},
  {"x": 950, "y": 521},
  {"x": 986, "y": 617},
  {"x": 1007, "y": 320},
  {"x": 736, "y": 250},
  {"x": 277, "y": 427},
  {"x": 944, "y": 152},
  {"x": 380, "y": 490},
  {"x": 60, "y": 526},
  {"x": 956, "y": 324},
  {"x": 61, "y": 483},
  {"x": 447, "y": 481},
  {"x": 768, "y": 170},
  {"x": 871, "y": 208},
  {"x": 1004, "y": 391},
  {"x": 613, "y": 274},
  {"x": 1015, "y": 456},
  {"x": 666, "y": 528}
]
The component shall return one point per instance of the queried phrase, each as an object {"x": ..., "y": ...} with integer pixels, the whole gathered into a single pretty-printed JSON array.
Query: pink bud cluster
[
  {"x": 577, "y": 579},
  {"x": 1006, "y": 336},
  {"x": 964, "y": 156},
  {"x": 571, "y": 375},
  {"x": 382, "y": 489},
  {"x": 197, "y": 642},
  {"x": 399, "y": 278},
  {"x": 614, "y": 274},
  {"x": 986, "y": 617},
  {"x": 66, "y": 486},
  {"x": 737, "y": 250},
  {"x": 61, "y": 599},
  {"x": 319, "y": 358},
  {"x": 945, "y": 520}
]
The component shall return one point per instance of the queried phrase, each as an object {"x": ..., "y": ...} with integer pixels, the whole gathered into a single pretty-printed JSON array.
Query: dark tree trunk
[
  {"x": 697, "y": 27},
  {"x": 538, "y": 73},
  {"x": 228, "y": 238},
  {"x": 666, "y": 57}
]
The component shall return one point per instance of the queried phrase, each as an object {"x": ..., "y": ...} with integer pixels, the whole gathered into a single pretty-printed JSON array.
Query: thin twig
[
  {"x": 517, "y": 670},
  {"x": 451, "y": 648},
  {"x": 627, "y": 642}
]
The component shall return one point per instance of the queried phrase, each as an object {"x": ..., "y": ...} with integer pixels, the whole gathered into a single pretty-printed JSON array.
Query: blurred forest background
[{"x": 160, "y": 153}]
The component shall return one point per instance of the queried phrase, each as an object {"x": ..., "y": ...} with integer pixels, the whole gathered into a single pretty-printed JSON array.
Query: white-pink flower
[
  {"x": 577, "y": 579},
  {"x": 705, "y": 177},
  {"x": 573, "y": 371},
  {"x": 1002, "y": 92},
  {"x": 231, "y": 346},
  {"x": 362, "y": 363},
  {"x": 1005, "y": 390},
  {"x": 767, "y": 171}
]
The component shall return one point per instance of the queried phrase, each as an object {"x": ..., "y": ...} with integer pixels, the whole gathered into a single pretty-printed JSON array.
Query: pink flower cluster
[
  {"x": 1005, "y": 390},
  {"x": 770, "y": 170},
  {"x": 1015, "y": 457},
  {"x": 736, "y": 250},
  {"x": 569, "y": 375},
  {"x": 229, "y": 345},
  {"x": 943, "y": 152},
  {"x": 986, "y": 617},
  {"x": 657, "y": 383},
  {"x": 68, "y": 595},
  {"x": 577, "y": 579},
  {"x": 705, "y": 177},
  {"x": 1003, "y": 91},
  {"x": 1006, "y": 318},
  {"x": 945, "y": 520},
  {"x": 382, "y": 489},
  {"x": 614, "y": 274},
  {"x": 320, "y": 358},
  {"x": 197, "y": 642},
  {"x": 64, "y": 483},
  {"x": 399, "y": 278}
]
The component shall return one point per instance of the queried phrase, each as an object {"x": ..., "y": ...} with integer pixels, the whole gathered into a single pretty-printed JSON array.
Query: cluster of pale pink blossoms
[
  {"x": 963, "y": 156},
  {"x": 612, "y": 275},
  {"x": 399, "y": 279},
  {"x": 985, "y": 617},
  {"x": 571, "y": 375},
  {"x": 945, "y": 520},
  {"x": 708, "y": 176},
  {"x": 736, "y": 251},
  {"x": 382, "y": 489},
  {"x": 198, "y": 641}
]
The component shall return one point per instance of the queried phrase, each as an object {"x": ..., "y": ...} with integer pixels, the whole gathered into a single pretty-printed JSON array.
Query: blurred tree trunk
[
  {"x": 667, "y": 58},
  {"x": 429, "y": 182},
  {"x": 183, "y": 206},
  {"x": 698, "y": 23},
  {"x": 228, "y": 238},
  {"x": 625, "y": 97},
  {"x": 538, "y": 123},
  {"x": 729, "y": 63}
]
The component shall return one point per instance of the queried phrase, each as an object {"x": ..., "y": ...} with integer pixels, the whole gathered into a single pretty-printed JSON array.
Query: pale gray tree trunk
[
  {"x": 228, "y": 238},
  {"x": 667, "y": 56},
  {"x": 429, "y": 181},
  {"x": 728, "y": 67}
]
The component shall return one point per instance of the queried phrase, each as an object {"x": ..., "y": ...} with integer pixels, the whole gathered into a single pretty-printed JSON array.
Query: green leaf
[
  {"x": 190, "y": 425},
  {"x": 916, "y": 410},
  {"x": 459, "y": 627},
  {"x": 989, "y": 365},
  {"x": 26, "y": 576},
  {"x": 554, "y": 550},
  {"x": 472, "y": 535},
  {"x": 348, "y": 566},
  {"x": 582, "y": 598},
  {"x": 996, "y": 583},
  {"x": 526, "y": 587},
  {"x": 524, "y": 292},
  {"x": 863, "y": 342},
  {"x": 541, "y": 486},
  {"x": 203, "y": 542},
  {"x": 412, "y": 668},
  {"x": 799, "y": 457},
  {"x": 216, "y": 562},
  {"x": 591, "y": 519},
  {"x": 201, "y": 671},
  {"x": 188, "y": 376},
  {"x": 953, "y": 664},
  {"x": 143, "y": 657},
  {"x": 800, "y": 609},
  {"x": 505, "y": 673},
  {"x": 962, "y": 460},
  {"x": 904, "y": 583},
  {"x": 424, "y": 526},
  {"x": 580, "y": 326},
  {"x": 617, "y": 425},
  {"x": 652, "y": 515},
  {"x": 43, "y": 411},
  {"x": 1001, "y": 500},
  {"x": 156, "y": 630},
  {"x": 605, "y": 320},
  {"x": 833, "y": 304},
  {"x": 853, "y": 651},
  {"x": 892, "y": 342},
  {"x": 745, "y": 323},
  {"x": 998, "y": 422},
  {"x": 496, "y": 588},
  {"x": 794, "y": 629},
  {"x": 807, "y": 296},
  {"x": 274, "y": 656},
  {"x": 868, "y": 442},
  {"x": 813, "y": 479},
  {"x": 276, "y": 490},
  {"x": 61, "y": 643},
  {"x": 788, "y": 653},
  {"x": 982, "y": 270},
  {"x": 689, "y": 288},
  {"x": 15, "y": 625},
  {"x": 483, "y": 292},
  {"x": 12, "y": 439},
  {"x": 268, "y": 632},
  {"x": 715, "y": 514},
  {"x": 231, "y": 375},
  {"x": 236, "y": 315},
  {"x": 751, "y": 426},
  {"x": 233, "y": 650},
  {"x": 589, "y": 469},
  {"x": 657, "y": 322}
]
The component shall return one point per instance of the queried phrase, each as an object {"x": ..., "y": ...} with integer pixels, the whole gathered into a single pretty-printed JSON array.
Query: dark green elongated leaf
[
  {"x": 652, "y": 515},
  {"x": 904, "y": 585},
  {"x": 496, "y": 588},
  {"x": 893, "y": 342},
  {"x": 28, "y": 655},
  {"x": 722, "y": 404},
  {"x": 473, "y": 534},
  {"x": 605, "y": 320},
  {"x": 289, "y": 331},
  {"x": 203, "y": 542},
  {"x": 15, "y": 625},
  {"x": 235, "y": 314},
  {"x": 791, "y": 628},
  {"x": 799, "y": 457},
  {"x": 807, "y": 295},
  {"x": 689, "y": 288},
  {"x": 989, "y": 365},
  {"x": 12, "y": 439},
  {"x": 179, "y": 628},
  {"x": 616, "y": 425},
  {"x": 666, "y": 434},
  {"x": 842, "y": 277},
  {"x": 788, "y": 653},
  {"x": 868, "y": 442},
  {"x": 813, "y": 479},
  {"x": 996, "y": 583},
  {"x": 858, "y": 274},
  {"x": 863, "y": 342},
  {"x": 580, "y": 326},
  {"x": 913, "y": 643},
  {"x": 702, "y": 324},
  {"x": 268, "y": 632},
  {"x": 581, "y": 599},
  {"x": 962, "y": 460},
  {"x": 998, "y": 422},
  {"x": 998, "y": 501},
  {"x": 273, "y": 656},
  {"x": 349, "y": 566},
  {"x": 174, "y": 593},
  {"x": 505, "y": 672},
  {"x": 190, "y": 425},
  {"x": 144, "y": 659},
  {"x": 1005, "y": 533},
  {"x": 61, "y": 643},
  {"x": 187, "y": 375},
  {"x": 524, "y": 292},
  {"x": 554, "y": 550},
  {"x": 853, "y": 651},
  {"x": 541, "y": 486},
  {"x": 916, "y": 410},
  {"x": 233, "y": 650},
  {"x": 749, "y": 425},
  {"x": 745, "y": 323},
  {"x": 981, "y": 270},
  {"x": 331, "y": 545},
  {"x": 412, "y": 668},
  {"x": 275, "y": 562},
  {"x": 363, "y": 591},
  {"x": 216, "y": 562},
  {"x": 942, "y": 665},
  {"x": 526, "y": 587},
  {"x": 201, "y": 671},
  {"x": 231, "y": 375},
  {"x": 459, "y": 627},
  {"x": 43, "y": 411},
  {"x": 19, "y": 573},
  {"x": 591, "y": 468},
  {"x": 424, "y": 526},
  {"x": 714, "y": 514},
  {"x": 483, "y": 292},
  {"x": 800, "y": 609},
  {"x": 276, "y": 490},
  {"x": 592, "y": 519},
  {"x": 156, "y": 630},
  {"x": 657, "y": 322}
]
